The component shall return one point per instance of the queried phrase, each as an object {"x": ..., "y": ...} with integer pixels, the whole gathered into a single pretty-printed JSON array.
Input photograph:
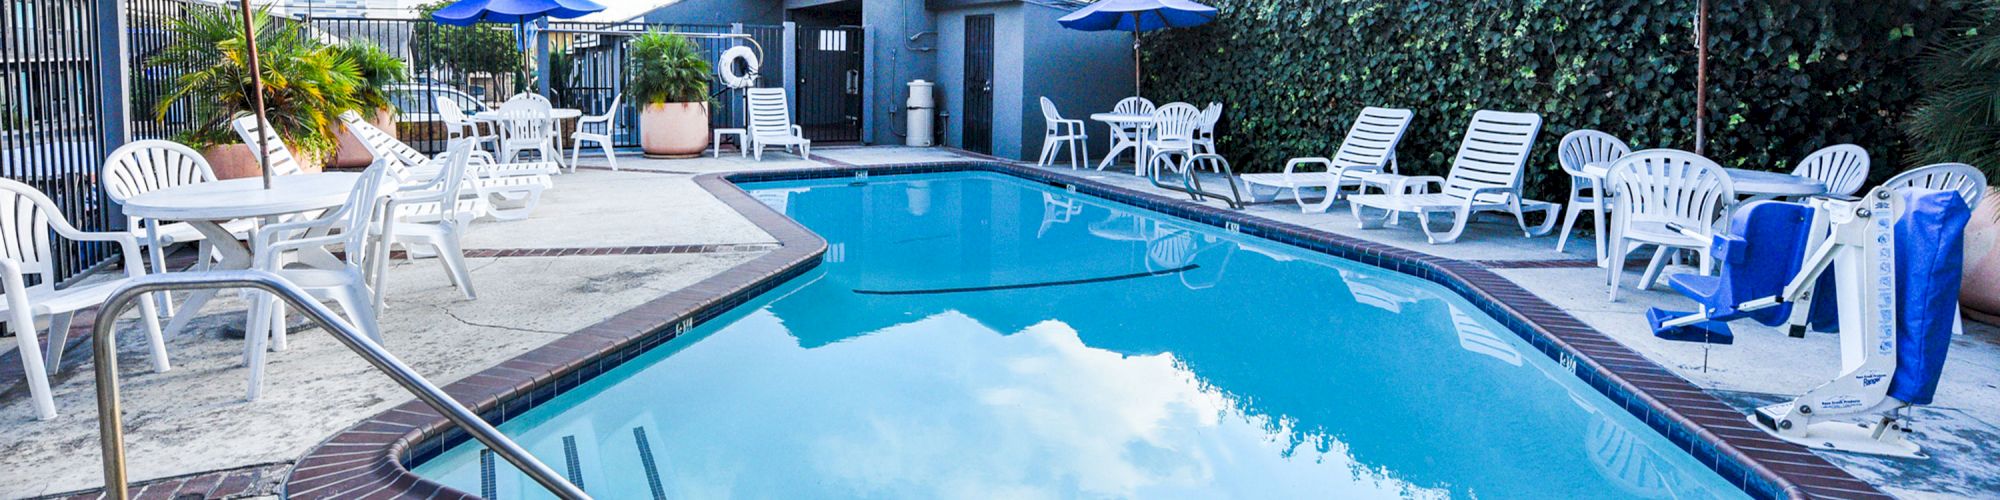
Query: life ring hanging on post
[{"x": 729, "y": 65}]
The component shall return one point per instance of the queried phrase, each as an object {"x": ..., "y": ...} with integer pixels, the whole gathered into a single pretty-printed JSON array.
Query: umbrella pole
[
  {"x": 1135, "y": 55},
  {"x": 257, "y": 96},
  {"x": 1701, "y": 78}
]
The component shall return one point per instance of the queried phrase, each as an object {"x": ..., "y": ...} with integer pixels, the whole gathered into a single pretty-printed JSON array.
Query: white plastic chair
[
  {"x": 529, "y": 97},
  {"x": 1127, "y": 135},
  {"x": 505, "y": 191},
  {"x": 771, "y": 123},
  {"x": 282, "y": 249},
  {"x": 1174, "y": 128},
  {"x": 1842, "y": 168},
  {"x": 1370, "y": 147},
  {"x": 526, "y": 125},
  {"x": 457, "y": 124},
  {"x": 1059, "y": 133},
  {"x": 437, "y": 228},
  {"x": 1485, "y": 177},
  {"x": 1655, "y": 191},
  {"x": 1966, "y": 179},
  {"x": 26, "y": 217},
  {"x": 596, "y": 129},
  {"x": 1586, "y": 191},
  {"x": 1204, "y": 137},
  {"x": 281, "y": 160},
  {"x": 142, "y": 167}
]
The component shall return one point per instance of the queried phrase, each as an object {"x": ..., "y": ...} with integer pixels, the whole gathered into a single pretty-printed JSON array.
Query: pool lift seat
[{"x": 1896, "y": 257}]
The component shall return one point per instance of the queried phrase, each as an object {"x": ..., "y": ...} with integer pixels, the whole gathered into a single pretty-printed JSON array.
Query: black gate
[
  {"x": 829, "y": 83},
  {"x": 978, "y": 129}
]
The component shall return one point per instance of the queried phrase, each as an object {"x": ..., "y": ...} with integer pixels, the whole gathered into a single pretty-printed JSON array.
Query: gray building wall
[
  {"x": 719, "y": 12},
  {"x": 1008, "y": 69},
  {"x": 1083, "y": 72},
  {"x": 903, "y": 46}
]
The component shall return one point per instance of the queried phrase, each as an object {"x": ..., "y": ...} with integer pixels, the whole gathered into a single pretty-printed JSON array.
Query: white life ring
[{"x": 727, "y": 67}]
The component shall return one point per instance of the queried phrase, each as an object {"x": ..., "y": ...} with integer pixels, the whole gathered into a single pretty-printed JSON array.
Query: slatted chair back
[
  {"x": 770, "y": 114},
  {"x": 1493, "y": 155},
  {"x": 1210, "y": 116},
  {"x": 1965, "y": 179},
  {"x": 1584, "y": 147},
  {"x": 280, "y": 160},
  {"x": 397, "y": 155},
  {"x": 25, "y": 218},
  {"x": 1842, "y": 168},
  {"x": 529, "y": 97},
  {"x": 526, "y": 120},
  {"x": 142, "y": 167},
  {"x": 1133, "y": 106},
  {"x": 455, "y": 118},
  {"x": 1373, "y": 137},
  {"x": 1049, "y": 113},
  {"x": 360, "y": 213},
  {"x": 1670, "y": 186},
  {"x": 457, "y": 165},
  {"x": 1177, "y": 121}
]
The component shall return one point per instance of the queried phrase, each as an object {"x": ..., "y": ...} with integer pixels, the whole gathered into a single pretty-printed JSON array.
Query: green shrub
[
  {"x": 1959, "y": 117},
  {"x": 1786, "y": 76},
  {"x": 667, "y": 67},
  {"x": 306, "y": 82}
]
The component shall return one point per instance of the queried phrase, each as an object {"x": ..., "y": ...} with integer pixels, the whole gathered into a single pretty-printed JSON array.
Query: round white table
[
  {"x": 1118, "y": 122},
  {"x": 558, "y": 114},
  {"x": 208, "y": 205},
  {"x": 1751, "y": 184}
]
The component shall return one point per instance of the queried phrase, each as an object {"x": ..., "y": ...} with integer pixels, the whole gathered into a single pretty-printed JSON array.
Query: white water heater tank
[{"x": 922, "y": 111}]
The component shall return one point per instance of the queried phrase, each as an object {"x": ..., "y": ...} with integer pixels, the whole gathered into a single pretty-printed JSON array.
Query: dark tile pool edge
[
  {"x": 371, "y": 459},
  {"x": 1702, "y": 425}
]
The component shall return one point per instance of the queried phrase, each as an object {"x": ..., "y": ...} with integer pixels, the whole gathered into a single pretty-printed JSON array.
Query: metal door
[
  {"x": 829, "y": 83},
  {"x": 977, "y": 131}
]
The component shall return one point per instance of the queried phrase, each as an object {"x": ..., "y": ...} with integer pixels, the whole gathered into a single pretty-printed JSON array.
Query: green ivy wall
[{"x": 1786, "y": 77}]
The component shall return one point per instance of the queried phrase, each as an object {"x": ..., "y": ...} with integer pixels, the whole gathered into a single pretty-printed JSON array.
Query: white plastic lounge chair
[
  {"x": 345, "y": 282},
  {"x": 527, "y": 125},
  {"x": 26, "y": 218},
  {"x": 1126, "y": 135},
  {"x": 505, "y": 191},
  {"x": 144, "y": 166},
  {"x": 1174, "y": 127},
  {"x": 596, "y": 129},
  {"x": 1060, "y": 133},
  {"x": 1485, "y": 177},
  {"x": 1370, "y": 146},
  {"x": 1842, "y": 168},
  {"x": 1586, "y": 191},
  {"x": 281, "y": 160},
  {"x": 1658, "y": 197},
  {"x": 771, "y": 124},
  {"x": 1966, "y": 179}
]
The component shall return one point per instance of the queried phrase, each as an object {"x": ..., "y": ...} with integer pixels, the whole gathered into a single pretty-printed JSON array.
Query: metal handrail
[{"x": 111, "y": 427}]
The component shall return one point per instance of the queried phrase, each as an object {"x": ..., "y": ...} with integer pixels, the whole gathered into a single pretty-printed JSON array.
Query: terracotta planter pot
[
  {"x": 233, "y": 161},
  {"x": 674, "y": 130},
  {"x": 1980, "y": 291},
  {"x": 350, "y": 153}
]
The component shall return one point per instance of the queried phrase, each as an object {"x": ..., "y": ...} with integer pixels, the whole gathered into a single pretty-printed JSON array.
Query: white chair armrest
[
  {"x": 267, "y": 255},
  {"x": 799, "y": 131}
]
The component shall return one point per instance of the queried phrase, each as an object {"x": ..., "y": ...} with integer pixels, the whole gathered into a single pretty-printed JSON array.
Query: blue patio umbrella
[
  {"x": 1138, "y": 16},
  {"x": 515, "y": 12}
]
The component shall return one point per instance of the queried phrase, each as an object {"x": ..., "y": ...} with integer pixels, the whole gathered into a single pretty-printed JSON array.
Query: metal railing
[
  {"x": 111, "y": 427},
  {"x": 50, "y": 128}
]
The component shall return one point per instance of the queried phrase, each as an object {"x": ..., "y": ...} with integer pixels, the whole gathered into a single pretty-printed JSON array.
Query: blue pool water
[{"x": 976, "y": 335}]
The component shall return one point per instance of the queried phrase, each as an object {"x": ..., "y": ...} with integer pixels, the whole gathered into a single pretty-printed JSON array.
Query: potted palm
[
  {"x": 378, "y": 70},
  {"x": 305, "y": 87},
  {"x": 670, "y": 80},
  {"x": 1955, "y": 122}
]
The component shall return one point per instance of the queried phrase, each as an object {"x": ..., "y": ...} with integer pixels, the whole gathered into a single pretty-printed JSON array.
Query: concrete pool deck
[{"x": 193, "y": 419}]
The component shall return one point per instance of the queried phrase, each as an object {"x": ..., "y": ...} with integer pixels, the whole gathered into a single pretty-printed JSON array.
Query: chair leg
[
  {"x": 1460, "y": 218},
  {"x": 453, "y": 259},
  {"x": 149, "y": 318},
  {"x": 157, "y": 255},
  {"x": 609, "y": 156},
  {"x": 1042, "y": 160},
  {"x": 1597, "y": 221},
  {"x": 1569, "y": 223},
  {"x": 1364, "y": 220},
  {"x": 1616, "y": 266},
  {"x": 1653, "y": 269},
  {"x": 575, "y": 153},
  {"x": 353, "y": 301},
  {"x": 23, "y": 324},
  {"x": 254, "y": 338}
]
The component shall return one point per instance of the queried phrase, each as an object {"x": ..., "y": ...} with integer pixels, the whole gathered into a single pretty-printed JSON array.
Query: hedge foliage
[{"x": 1785, "y": 76}]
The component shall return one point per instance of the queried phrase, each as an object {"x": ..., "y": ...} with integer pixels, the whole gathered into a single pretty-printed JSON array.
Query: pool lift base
[{"x": 1860, "y": 245}]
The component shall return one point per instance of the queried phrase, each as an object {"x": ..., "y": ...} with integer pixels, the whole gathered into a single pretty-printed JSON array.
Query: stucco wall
[
  {"x": 1083, "y": 72},
  {"x": 1008, "y": 68},
  {"x": 719, "y": 12},
  {"x": 895, "y": 59}
]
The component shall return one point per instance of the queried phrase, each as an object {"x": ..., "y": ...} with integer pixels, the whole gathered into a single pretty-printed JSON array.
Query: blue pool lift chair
[{"x": 1763, "y": 251}]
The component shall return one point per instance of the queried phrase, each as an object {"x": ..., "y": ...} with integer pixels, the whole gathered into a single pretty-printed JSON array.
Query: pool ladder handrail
[{"x": 111, "y": 428}]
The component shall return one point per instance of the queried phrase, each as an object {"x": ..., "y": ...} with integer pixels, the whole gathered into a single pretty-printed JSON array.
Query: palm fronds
[
  {"x": 667, "y": 67},
  {"x": 1958, "y": 119}
]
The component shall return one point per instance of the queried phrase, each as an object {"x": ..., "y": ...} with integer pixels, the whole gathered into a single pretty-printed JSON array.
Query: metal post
[
  {"x": 542, "y": 57},
  {"x": 867, "y": 85},
  {"x": 1701, "y": 78},
  {"x": 791, "y": 66},
  {"x": 113, "y": 103}
]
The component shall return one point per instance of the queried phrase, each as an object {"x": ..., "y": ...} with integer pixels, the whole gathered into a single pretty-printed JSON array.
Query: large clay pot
[
  {"x": 232, "y": 161},
  {"x": 1980, "y": 291},
  {"x": 674, "y": 130},
  {"x": 350, "y": 153}
]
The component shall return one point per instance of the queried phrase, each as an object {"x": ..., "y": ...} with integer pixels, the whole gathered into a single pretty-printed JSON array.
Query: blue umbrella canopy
[
  {"x": 470, "y": 12},
  {"x": 1137, "y": 16}
]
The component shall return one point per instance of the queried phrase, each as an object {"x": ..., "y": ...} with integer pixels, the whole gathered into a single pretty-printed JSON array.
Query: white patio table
[
  {"x": 207, "y": 205},
  {"x": 1119, "y": 121},
  {"x": 557, "y": 114},
  {"x": 1752, "y": 185}
]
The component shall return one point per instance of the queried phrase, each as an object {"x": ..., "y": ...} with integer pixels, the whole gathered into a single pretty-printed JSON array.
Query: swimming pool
[{"x": 973, "y": 334}]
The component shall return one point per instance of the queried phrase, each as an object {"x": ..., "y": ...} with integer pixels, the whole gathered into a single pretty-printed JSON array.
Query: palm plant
[
  {"x": 667, "y": 67},
  {"x": 306, "y": 82},
  {"x": 378, "y": 70},
  {"x": 1958, "y": 119}
]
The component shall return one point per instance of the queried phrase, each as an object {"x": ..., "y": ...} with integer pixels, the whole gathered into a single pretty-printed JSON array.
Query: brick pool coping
[{"x": 371, "y": 459}]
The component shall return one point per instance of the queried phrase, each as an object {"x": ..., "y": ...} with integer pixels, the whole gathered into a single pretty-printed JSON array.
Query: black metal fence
[{"x": 50, "y": 135}]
